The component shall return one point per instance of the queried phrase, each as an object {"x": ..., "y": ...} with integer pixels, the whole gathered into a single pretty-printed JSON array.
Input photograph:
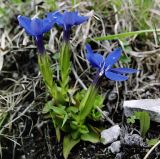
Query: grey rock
[
  {"x": 152, "y": 106},
  {"x": 110, "y": 135},
  {"x": 115, "y": 147}
]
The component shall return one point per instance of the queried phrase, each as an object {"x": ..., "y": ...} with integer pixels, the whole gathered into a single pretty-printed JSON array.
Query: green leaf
[
  {"x": 144, "y": 122},
  {"x": 152, "y": 142},
  {"x": 65, "y": 66},
  {"x": 131, "y": 119},
  {"x": 58, "y": 134},
  {"x": 122, "y": 35},
  {"x": 91, "y": 137},
  {"x": 83, "y": 129},
  {"x": 46, "y": 71},
  {"x": 95, "y": 115},
  {"x": 75, "y": 134},
  {"x": 72, "y": 109},
  {"x": 59, "y": 110},
  {"x": 65, "y": 119},
  {"x": 80, "y": 95},
  {"x": 98, "y": 101},
  {"x": 16, "y": 1},
  {"x": 74, "y": 125},
  {"x": 68, "y": 144},
  {"x": 87, "y": 103},
  {"x": 48, "y": 107}
]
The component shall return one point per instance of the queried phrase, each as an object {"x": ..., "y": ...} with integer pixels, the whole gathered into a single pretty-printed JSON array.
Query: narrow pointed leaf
[
  {"x": 91, "y": 137},
  {"x": 68, "y": 144},
  {"x": 144, "y": 122},
  {"x": 87, "y": 103},
  {"x": 65, "y": 119},
  {"x": 64, "y": 63}
]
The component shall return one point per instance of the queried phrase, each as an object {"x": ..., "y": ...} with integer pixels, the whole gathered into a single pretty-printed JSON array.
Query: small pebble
[
  {"x": 115, "y": 147},
  {"x": 112, "y": 96},
  {"x": 15, "y": 75},
  {"x": 110, "y": 135}
]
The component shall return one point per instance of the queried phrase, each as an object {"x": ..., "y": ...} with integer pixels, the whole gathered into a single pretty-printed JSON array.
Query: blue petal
[
  {"x": 78, "y": 19},
  {"x": 95, "y": 59},
  {"x": 25, "y": 22},
  {"x": 57, "y": 17},
  {"x": 47, "y": 24},
  {"x": 37, "y": 26},
  {"x": 124, "y": 70},
  {"x": 67, "y": 19},
  {"x": 112, "y": 58},
  {"x": 115, "y": 76}
]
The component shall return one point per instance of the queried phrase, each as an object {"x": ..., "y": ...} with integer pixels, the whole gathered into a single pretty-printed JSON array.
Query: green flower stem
[
  {"x": 47, "y": 74},
  {"x": 65, "y": 66}
]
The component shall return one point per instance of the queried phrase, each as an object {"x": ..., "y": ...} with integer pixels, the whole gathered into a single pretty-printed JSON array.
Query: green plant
[
  {"x": 72, "y": 114},
  {"x": 144, "y": 119}
]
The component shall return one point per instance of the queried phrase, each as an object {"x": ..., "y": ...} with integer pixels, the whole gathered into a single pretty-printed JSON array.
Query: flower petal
[
  {"x": 115, "y": 76},
  {"x": 95, "y": 59},
  {"x": 79, "y": 19},
  {"x": 113, "y": 57},
  {"x": 67, "y": 19},
  {"x": 124, "y": 70},
  {"x": 37, "y": 26},
  {"x": 47, "y": 24},
  {"x": 57, "y": 17},
  {"x": 25, "y": 22}
]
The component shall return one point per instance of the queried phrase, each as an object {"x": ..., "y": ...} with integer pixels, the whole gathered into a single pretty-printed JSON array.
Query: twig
[
  {"x": 150, "y": 151},
  {"x": 78, "y": 79},
  {"x": 105, "y": 116}
]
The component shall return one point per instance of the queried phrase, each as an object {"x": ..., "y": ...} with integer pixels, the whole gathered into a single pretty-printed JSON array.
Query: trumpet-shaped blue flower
[
  {"x": 104, "y": 65},
  {"x": 67, "y": 20},
  {"x": 36, "y": 27}
]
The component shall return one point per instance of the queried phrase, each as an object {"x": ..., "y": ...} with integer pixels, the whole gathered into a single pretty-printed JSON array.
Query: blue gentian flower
[
  {"x": 104, "y": 65},
  {"x": 67, "y": 20},
  {"x": 36, "y": 27}
]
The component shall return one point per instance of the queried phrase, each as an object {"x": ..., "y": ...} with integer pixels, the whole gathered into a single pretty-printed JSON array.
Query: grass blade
[{"x": 122, "y": 35}]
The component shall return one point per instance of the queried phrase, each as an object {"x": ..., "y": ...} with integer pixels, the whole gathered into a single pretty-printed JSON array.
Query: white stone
[
  {"x": 152, "y": 106},
  {"x": 115, "y": 147},
  {"x": 110, "y": 135}
]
